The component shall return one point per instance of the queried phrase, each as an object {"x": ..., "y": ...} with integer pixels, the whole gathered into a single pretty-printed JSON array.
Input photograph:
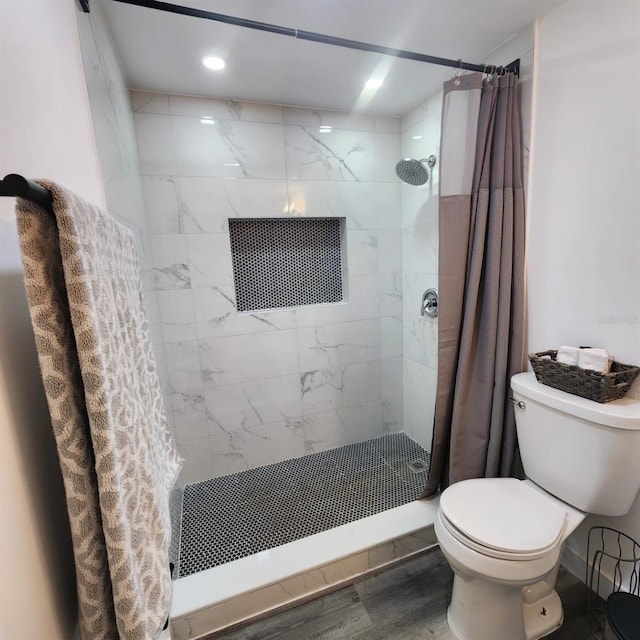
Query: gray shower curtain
[{"x": 481, "y": 280}]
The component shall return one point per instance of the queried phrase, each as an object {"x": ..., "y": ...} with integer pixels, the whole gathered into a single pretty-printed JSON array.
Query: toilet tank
[{"x": 583, "y": 452}]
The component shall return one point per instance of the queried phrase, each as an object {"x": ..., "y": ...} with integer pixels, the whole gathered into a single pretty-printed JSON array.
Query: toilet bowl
[{"x": 503, "y": 537}]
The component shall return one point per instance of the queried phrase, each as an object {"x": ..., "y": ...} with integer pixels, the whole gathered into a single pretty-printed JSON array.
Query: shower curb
[{"x": 254, "y": 586}]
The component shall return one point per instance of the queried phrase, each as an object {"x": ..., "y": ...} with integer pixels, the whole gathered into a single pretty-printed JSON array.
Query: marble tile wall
[
  {"x": 420, "y": 139},
  {"x": 251, "y": 389},
  {"x": 112, "y": 118}
]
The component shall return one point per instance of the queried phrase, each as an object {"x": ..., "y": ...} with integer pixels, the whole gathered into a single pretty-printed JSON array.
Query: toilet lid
[{"x": 504, "y": 515}]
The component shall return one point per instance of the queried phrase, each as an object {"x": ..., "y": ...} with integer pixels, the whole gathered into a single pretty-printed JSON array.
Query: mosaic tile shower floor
[{"x": 234, "y": 516}]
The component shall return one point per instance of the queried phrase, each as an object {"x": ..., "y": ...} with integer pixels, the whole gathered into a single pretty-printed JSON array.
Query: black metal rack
[
  {"x": 614, "y": 554},
  {"x": 20, "y": 187}
]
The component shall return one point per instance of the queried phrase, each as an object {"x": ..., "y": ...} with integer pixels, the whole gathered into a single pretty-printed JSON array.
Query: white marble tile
[
  {"x": 420, "y": 340},
  {"x": 390, "y": 337},
  {"x": 161, "y": 202},
  {"x": 339, "y": 155},
  {"x": 228, "y": 148},
  {"x": 322, "y": 198},
  {"x": 336, "y": 572},
  {"x": 146, "y": 102},
  {"x": 347, "y": 386},
  {"x": 390, "y": 294},
  {"x": 391, "y": 377},
  {"x": 224, "y": 109},
  {"x": 420, "y": 333},
  {"x": 314, "y": 118},
  {"x": 387, "y": 154},
  {"x": 362, "y": 249},
  {"x": 419, "y": 393},
  {"x": 198, "y": 460},
  {"x": 248, "y": 357},
  {"x": 419, "y": 205},
  {"x": 156, "y": 147},
  {"x": 344, "y": 425},
  {"x": 388, "y": 205},
  {"x": 420, "y": 249},
  {"x": 266, "y": 444},
  {"x": 389, "y": 250},
  {"x": 332, "y": 345},
  {"x": 216, "y": 316},
  {"x": 209, "y": 256},
  {"x": 207, "y": 203},
  {"x": 170, "y": 261},
  {"x": 392, "y": 415},
  {"x": 363, "y": 303},
  {"x": 189, "y": 416},
  {"x": 423, "y": 140},
  {"x": 125, "y": 199},
  {"x": 183, "y": 365},
  {"x": 249, "y": 404},
  {"x": 402, "y": 547},
  {"x": 176, "y": 315}
]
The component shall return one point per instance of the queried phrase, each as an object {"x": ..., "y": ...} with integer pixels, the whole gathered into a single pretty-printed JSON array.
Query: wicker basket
[{"x": 601, "y": 387}]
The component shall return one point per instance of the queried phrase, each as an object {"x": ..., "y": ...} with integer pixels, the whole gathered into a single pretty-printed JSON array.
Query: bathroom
[{"x": 581, "y": 253}]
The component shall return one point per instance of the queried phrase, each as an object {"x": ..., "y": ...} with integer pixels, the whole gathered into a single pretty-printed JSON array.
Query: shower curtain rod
[
  {"x": 18, "y": 186},
  {"x": 512, "y": 67}
]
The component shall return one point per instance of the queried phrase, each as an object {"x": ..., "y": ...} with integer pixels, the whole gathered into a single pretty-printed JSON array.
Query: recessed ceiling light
[
  {"x": 417, "y": 137},
  {"x": 325, "y": 128},
  {"x": 214, "y": 63},
  {"x": 373, "y": 83},
  {"x": 207, "y": 120}
]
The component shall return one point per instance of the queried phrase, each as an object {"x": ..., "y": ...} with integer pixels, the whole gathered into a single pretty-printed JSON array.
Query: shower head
[{"x": 413, "y": 171}]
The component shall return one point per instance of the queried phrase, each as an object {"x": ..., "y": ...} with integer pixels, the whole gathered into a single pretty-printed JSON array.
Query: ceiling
[{"x": 162, "y": 52}]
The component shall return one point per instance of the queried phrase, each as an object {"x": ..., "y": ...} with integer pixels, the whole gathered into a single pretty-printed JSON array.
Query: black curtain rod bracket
[
  {"x": 512, "y": 67},
  {"x": 19, "y": 187}
]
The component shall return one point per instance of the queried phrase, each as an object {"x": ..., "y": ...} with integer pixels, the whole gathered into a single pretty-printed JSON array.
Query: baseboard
[{"x": 576, "y": 564}]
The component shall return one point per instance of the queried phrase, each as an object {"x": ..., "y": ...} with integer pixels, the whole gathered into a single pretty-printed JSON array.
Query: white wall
[
  {"x": 584, "y": 197},
  {"x": 45, "y": 131},
  {"x": 256, "y": 388}
]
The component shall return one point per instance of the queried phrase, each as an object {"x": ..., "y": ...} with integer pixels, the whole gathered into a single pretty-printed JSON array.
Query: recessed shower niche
[{"x": 288, "y": 262}]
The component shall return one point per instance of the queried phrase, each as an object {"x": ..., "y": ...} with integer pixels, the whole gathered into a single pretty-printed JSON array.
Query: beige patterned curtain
[{"x": 481, "y": 280}]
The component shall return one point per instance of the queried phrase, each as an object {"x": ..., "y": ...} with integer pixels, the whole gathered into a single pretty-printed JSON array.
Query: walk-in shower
[{"x": 305, "y": 426}]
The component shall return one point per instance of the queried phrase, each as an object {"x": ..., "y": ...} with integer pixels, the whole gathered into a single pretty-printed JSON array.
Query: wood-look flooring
[{"x": 406, "y": 602}]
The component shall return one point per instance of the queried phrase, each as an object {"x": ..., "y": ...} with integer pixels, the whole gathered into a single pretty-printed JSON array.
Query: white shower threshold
[{"x": 256, "y": 585}]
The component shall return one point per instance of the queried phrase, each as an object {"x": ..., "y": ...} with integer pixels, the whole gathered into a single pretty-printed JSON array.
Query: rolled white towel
[
  {"x": 594, "y": 359},
  {"x": 568, "y": 355}
]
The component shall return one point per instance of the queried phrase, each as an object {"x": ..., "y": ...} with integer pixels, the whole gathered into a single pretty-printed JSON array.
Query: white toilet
[{"x": 503, "y": 537}]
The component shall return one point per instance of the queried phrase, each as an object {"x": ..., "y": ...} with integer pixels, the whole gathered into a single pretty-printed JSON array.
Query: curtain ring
[{"x": 458, "y": 74}]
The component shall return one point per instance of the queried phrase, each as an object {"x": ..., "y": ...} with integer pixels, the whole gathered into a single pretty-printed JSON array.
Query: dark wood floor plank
[
  {"x": 406, "y": 602},
  {"x": 333, "y": 605}
]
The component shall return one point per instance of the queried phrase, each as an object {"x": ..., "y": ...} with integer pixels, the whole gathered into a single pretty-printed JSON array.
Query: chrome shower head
[{"x": 413, "y": 171}]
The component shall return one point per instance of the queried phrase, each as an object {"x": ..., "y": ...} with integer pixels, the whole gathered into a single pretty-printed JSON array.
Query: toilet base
[
  {"x": 543, "y": 617},
  {"x": 483, "y": 610}
]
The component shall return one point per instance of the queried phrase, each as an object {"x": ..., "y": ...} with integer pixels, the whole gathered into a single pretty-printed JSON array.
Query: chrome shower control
[{"x": 429, "y": 305}]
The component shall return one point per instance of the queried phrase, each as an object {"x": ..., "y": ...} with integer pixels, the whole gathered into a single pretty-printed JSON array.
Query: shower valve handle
[{"x": 429, "y": 305}]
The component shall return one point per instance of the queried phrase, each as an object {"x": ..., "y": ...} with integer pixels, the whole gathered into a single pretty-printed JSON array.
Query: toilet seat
[{"x": 503, "y": 518}]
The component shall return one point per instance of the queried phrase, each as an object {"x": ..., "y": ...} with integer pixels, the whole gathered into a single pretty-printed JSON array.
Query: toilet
[{"x": 503, "y": 537}]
